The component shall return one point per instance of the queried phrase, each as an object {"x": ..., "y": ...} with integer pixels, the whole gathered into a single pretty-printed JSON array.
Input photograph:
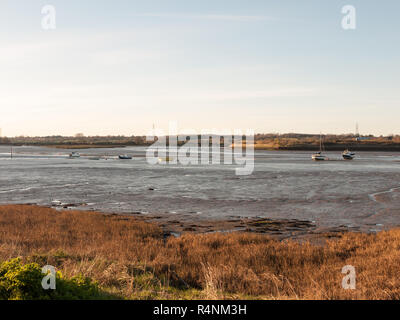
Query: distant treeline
[
  {"x": 78, "y": 140},
  {"x": 295, "y": 141},
  {"x": 269, "y": 141}
]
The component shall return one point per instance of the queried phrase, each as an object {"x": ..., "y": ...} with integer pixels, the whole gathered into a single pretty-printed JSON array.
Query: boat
[
  {"x": 319, "y": 156},
  {"x": 74, "y": 155},
  {"x": 166, "y": 159},
  {"x": 124, "y": 157},
  {"x": 348, "y": 155}
]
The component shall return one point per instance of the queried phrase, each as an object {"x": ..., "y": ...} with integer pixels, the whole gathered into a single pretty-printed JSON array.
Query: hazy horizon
[
  {"x": 117, "y": 68},
  {"x": 183, "y": 133}
]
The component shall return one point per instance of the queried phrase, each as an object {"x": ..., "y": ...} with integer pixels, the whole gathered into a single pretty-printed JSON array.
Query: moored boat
[
  {"x": 164, "y": 160},
  {"x": 348, "y": 155},
  {"x": 319, "y": 156},
  {"x": 124, "y": 157}
]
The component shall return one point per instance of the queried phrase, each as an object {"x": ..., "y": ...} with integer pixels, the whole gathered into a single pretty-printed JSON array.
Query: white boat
[
  {"x": 348, "y": 155},
  {"x": 319, "y": 156},
  {"x": 74, "y": 155}
]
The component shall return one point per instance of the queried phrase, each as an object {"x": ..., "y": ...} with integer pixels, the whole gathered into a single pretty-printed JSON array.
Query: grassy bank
[{"x": 127, "y": 258}]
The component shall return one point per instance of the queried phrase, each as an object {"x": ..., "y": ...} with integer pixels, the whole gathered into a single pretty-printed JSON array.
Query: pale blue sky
[{"x": 117, "y": 67}]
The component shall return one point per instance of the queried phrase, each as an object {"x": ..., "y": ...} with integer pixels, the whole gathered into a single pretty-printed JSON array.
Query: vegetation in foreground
[
  {"x": 109, "y": 256},
  {"x": 24, "y": 282}
]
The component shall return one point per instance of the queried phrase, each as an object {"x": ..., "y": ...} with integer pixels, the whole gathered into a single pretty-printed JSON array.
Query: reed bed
[{"x": 133, "y": 259}]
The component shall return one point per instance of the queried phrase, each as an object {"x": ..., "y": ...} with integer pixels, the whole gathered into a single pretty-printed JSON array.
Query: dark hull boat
[
  {"x": 124, "y": 157},
  {"x": 348, "y": 155}
]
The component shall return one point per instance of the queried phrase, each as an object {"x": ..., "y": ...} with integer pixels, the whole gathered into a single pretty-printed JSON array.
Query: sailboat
[
  {"x": 348, "y": 155},
  {"x": 319, "y": 156}
]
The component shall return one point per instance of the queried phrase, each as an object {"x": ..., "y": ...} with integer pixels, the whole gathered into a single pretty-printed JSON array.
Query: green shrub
[{"x": 20, "y": 281}]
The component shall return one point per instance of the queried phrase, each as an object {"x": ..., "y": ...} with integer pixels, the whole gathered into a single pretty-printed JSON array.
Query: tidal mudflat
[{"x": 359, "y": 195}]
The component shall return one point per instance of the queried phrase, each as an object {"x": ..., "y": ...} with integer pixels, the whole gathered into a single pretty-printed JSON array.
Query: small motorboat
[
  {"x": 318, "y": 157},
  {"x": 348, "y": 155},
  {"x": 74, "y": 155},
  {"x": 124, "y": 157}
]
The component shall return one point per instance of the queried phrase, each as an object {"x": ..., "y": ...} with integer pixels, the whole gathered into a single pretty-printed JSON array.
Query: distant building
[{"x": 362, "y": 138}]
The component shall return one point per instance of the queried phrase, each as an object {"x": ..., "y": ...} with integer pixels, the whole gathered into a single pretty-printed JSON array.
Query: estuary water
[{"x": 363, "y": 193}]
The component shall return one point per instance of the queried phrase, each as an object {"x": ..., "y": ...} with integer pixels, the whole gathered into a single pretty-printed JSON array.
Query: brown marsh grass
[{"x": 132, "y": 259}]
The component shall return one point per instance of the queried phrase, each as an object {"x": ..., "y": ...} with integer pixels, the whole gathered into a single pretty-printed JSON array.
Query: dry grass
[{"x": 132, "y": 259}]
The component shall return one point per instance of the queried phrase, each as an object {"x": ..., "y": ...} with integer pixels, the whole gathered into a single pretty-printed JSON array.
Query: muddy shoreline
[
  {"x": 279, "y": 229},
  {"x": 175, "y": 225}
]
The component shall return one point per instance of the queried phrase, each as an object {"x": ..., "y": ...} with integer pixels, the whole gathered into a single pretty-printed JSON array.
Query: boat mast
[{"x": 320, "y": 142}]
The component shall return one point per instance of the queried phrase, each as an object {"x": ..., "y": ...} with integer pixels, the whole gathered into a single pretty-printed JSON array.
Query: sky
[{"x": 118, "y": 67}]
